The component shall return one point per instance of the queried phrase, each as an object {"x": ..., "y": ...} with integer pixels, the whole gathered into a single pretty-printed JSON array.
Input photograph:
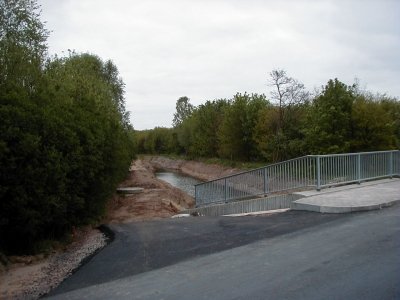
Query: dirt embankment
[
  {"x": 158, "y": 199},
  {"x": 195, "y": 169}
]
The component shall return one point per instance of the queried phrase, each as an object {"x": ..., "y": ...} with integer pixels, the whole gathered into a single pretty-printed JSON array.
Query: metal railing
[{"x": 311, "y": 171}]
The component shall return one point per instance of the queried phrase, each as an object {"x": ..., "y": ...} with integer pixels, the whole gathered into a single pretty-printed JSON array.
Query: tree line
[
  {"x": 65, "y": 138},
  {"x": 339, "y": 118}
]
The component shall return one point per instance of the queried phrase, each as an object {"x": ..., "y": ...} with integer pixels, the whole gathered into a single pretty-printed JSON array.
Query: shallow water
[{"x": 179, "y": 180}]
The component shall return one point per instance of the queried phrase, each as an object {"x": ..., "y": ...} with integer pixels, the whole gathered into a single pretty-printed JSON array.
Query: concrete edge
[
  {"x": 305, "y": 206},
  {"x": 256, "y": 213},
  {"x": 341, "y": 209}
]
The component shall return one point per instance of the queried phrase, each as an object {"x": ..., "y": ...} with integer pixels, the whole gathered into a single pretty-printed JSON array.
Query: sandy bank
[
  {"x": 195, "y": 169},
  {"x": 158, "y": 199}
]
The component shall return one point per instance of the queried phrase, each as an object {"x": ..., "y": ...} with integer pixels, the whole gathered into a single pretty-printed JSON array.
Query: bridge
[{"x": 286, "y": 184}]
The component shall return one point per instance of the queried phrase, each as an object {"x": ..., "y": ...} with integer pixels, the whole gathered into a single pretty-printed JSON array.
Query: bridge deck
[{"x": 350, "y": 198}]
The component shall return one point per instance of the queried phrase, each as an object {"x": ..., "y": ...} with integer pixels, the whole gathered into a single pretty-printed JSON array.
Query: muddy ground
[{"x": 32, "y": 276}]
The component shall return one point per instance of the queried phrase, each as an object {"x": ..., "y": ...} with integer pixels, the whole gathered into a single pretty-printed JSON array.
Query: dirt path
[{"x": 31, "y": 277}]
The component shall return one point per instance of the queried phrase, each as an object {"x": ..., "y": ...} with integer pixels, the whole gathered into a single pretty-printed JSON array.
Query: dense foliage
[
  {"x": 337, "y": 119},
  {"x": 65, "y": 139}
]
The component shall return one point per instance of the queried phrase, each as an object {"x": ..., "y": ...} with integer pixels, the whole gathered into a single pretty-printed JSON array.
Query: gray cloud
[{"x": 213, "y": 49}]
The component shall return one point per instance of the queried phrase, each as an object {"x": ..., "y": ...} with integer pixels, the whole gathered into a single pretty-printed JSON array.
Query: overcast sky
[{"x": 209, "y": 49}]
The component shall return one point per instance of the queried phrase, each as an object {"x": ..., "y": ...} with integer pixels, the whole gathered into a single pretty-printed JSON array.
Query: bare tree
[{"x": 287, "y": 91}]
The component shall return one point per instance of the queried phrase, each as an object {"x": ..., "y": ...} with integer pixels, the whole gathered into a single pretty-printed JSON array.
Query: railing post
[
  {"x": 359, "y": 168},
  {"x": 391, "y": 164},
  {"x": 226, "y": 190},
  {"x": 195, "y": 196},
  {"x": 265, "y": 181},
  {"x": 318, "y": 173}
]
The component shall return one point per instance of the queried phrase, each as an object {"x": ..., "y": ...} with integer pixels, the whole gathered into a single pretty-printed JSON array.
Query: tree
[
  {"x": 207, "y": 119},
  {"x": 278, "y": 131},
  {"x": 329, "y": 121},
  {"x": 117, "y": 88},
  {"x": 79, "y": 84},
  {"x": 64, "y": 142},
  {"x": 22, "y": 53},
  {"x": 236, "y": 133},
  {"x": 22, "y": 46},
  {"x": 372, "y": 125},
  {"x": 392, "y": 107},
  {"x": 183, "y": 110},
  {"x": 157, "y": 140},
  {"x": 287, "y": 92}
]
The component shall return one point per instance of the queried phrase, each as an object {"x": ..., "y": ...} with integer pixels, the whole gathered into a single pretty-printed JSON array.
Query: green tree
[
  {"x": 275, "y": 144},
  {"x": 22, "y": 52},
  {"x": 117, "y": 89},
  {"x": 64, "y": 140},
  {"x": 236, "y": 133},
  {"x": 78, "y": 83},
  {"x": 185, "y": 135},
  {"x": 207, "y": 119},
  {"x": 373, "y": 126},
  {"x": 181, "y": 124},
  {"x": 329, "y": 122},
  {"x": 392, "y": 107},
  {"x": 159, "y": 140},
  {"x": 183, "y": 110},
  {"x": 268, "y": 135},
  {"x": 22, "y": 46}
]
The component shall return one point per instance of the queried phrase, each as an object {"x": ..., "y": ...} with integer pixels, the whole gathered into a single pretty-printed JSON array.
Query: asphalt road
[{"x": 293, "y": 255}]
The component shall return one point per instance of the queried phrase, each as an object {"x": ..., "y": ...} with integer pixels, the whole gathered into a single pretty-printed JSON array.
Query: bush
[{"x": 64, "y": 148}]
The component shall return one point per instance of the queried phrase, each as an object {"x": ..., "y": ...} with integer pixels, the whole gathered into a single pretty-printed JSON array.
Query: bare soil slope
[
  {"x": 195, "y": 169},
  {"x": 158, "y": 199}
]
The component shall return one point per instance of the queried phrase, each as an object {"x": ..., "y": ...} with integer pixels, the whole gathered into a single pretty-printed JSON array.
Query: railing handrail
[
  {"x": 352, "y": 153},
  {"x": 256, "y": 169},
  {"x": 297, "y": 158},
  {"x": 318, "y": 171}
]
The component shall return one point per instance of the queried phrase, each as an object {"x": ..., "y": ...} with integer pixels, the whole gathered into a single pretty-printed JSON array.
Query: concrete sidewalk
[{"x": 350, "y": 198}]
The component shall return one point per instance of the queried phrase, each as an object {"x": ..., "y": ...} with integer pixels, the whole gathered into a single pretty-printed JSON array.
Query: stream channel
[{"x": 179, "y": 180}]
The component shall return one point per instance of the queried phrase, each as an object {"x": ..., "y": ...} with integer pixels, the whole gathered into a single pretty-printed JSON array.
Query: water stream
[{"x": 179, "y": 180}]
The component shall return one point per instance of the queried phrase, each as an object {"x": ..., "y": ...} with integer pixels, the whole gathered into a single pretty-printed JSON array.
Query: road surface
[{"x": 293, "y": 255}]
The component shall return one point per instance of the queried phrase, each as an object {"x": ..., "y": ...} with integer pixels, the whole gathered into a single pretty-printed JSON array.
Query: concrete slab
[{"x": 345, "y": 199}]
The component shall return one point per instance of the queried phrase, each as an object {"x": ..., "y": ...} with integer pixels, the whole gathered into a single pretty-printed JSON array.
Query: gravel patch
[{"x": 32, "y": 282}]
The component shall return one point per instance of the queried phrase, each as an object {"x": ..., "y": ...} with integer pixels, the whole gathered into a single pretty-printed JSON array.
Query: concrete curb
[{"x": 341, "y": 209}]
